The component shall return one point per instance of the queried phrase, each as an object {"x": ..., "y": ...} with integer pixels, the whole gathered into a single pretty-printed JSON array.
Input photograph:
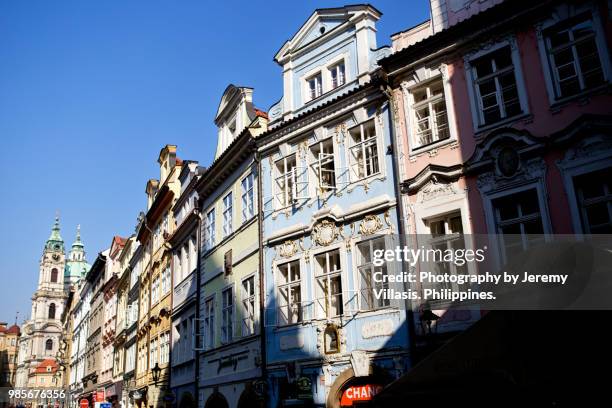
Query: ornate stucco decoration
[
  {"x": 322, "y": 328},
  {"x": 435, "y": 189},
  {"x": 325, "y": 233},
  {"x": 369, "y": 225},
  {"x": 531, "y": 170},
  {"x": 340, "y": 130},
  {"x": 304, "y": 250},
  {"x": 287, "y": 249}
]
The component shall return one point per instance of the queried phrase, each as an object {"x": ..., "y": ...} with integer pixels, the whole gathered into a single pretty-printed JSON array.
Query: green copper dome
[
  {"x": 76, "y": 264},
  {"x": 55, "y": 241}
]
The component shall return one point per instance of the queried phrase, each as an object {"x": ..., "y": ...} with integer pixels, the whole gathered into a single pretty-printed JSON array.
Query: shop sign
[
  {"x": 84, "y": 403},
  {"x": 304, "y": 388},
  {"x": 359, "y": 393}
]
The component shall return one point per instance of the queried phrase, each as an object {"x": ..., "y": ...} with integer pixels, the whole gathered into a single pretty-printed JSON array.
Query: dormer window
[
  {"x": 232, "y": 127},
  {"x": 315, "y": 86},
  {"x": 338, "y": 78}
]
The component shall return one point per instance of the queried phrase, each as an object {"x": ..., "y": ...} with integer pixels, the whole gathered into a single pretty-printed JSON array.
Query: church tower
[
  {"x": 42, "y": 333},
  {"x": 76, "y": 264}
]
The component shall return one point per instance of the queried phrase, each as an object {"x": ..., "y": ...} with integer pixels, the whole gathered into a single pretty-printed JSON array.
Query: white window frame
[
  {"x": 559, "y": 16},
  {"x": 228, "y": 214},
  {"x": 295, "y": 187},
  {"x": 359, "y": 266},
  {"x": 335, "y": 67},
  {"x": 492, "y": 226},
  {"x": 247, "y": 190},
  {"x": 227, "y": 314},
  {"x": 318, "y": 160},
  {"x": 362, "y": 147},
  {"x": 153, "y": 356},
  {"x": 209, "y": 229},
  {"x": 249, "y": 305},
  {"x": 297, "y": 310},
  {"x": 432, "y": 122},
  {"x": 328, "y": 275},
  {"x": 315, "y": 79},
  {"x": 208, "y": 321},
  {"x": 486, "y": 49}
]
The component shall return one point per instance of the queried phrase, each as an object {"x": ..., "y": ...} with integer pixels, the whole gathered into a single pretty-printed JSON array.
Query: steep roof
[
  {"x": 14, "y": 329},
  {"x": 42, "y": 367}
]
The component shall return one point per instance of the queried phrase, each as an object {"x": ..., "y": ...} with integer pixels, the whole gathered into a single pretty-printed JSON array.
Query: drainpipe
[
  {"x": 386, "y": 89},
  {"x": 260, "y": 212},
  {"x": 196, "y": 321}
]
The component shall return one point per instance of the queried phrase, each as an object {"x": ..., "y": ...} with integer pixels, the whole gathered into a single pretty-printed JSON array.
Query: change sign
[{"x": 359, "y": 393}]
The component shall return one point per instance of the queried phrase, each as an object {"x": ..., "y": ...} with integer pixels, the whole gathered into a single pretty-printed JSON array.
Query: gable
[{"x": 319, "y": 27}]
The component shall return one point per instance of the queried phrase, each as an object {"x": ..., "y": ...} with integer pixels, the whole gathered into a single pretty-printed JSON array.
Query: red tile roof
[
  {"x": 261, "y": 113},
  {"x": 42, "y": 367},
  {"x": 14, "y": 329}
]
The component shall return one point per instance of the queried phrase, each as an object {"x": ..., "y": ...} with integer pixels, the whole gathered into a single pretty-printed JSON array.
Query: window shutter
[{"x": 227, "y": 262}]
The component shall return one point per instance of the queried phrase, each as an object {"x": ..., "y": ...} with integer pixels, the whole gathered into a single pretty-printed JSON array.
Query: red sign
[
  {"x": 99, "y": 396},
  {"x": 359, "y": 393},
  {"x": 83, "y": 403}
]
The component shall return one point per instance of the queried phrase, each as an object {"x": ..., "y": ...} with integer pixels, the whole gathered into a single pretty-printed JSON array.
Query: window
[
  {"x": 247, "y": 198},
  {"x": 209, "y": 323},
  {"x": 166, "y": 281},
  {"x": 574, "y": 58},
  {"x": 54, "y": 275},
  {"x": 49, "y": 345},
  {"x": 227, "y": 326},
  {"x": 367, "y": 296},
  {"x": 51, "y": 314},
  {"x": 155, "y": 291},
  {"x": 289, "y": 293},
  {"x": 248, "y": 306},
  {"x": 164, "y": 348},
  {"x": 209, "y": 240},
  {"x": 322, "y": 164},
  {"x": 495, "y": 86},
  {"x": 130, "y": 358},
  {"x": 518, "y": 220},
  {"x": 446, "y": 233},
  {"x": 328, "y": 287},
  {"x": 153, "y": 353},
  {"x": 227, "y": 214},
  {"x": 286, "y": 181},
  {"x": 364, "y": 151},
  {"x": 337, "y": 75},
  {"x": 315, "y": 86},
  {"x": 594, "y": 194},
  {"x": 430, "y": 122}
]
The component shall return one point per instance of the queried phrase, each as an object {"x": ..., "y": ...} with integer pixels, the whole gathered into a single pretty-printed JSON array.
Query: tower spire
[{"x": 55, "y": 241}]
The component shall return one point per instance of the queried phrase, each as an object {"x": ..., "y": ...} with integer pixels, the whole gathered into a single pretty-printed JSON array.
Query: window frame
[
  {"x": 209, "y": 323},
  {"x": 247, "y": 195},
  {"x": 288, "y": 285},
  {"x": 209, "y": 229},
  {"x": 328, "y": 275},
  {"x": 562, "y": 16},
  {"x": 432, "y": 122},
  {"x": 359, "y": 266},
  {"x": 248, "y": 312},
  {"x": 488, "y": 49},
  {"x": 228, "y": 214},
  {"x": 373, "y": 140},
  {"x": 227, "y": 314}
]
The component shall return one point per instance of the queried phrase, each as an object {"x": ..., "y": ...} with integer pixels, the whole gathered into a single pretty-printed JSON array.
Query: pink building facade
[{"x": 503, "y": 122}]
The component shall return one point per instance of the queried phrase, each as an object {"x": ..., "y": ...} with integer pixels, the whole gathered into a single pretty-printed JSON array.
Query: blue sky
[{"x": 90, "y": 92}]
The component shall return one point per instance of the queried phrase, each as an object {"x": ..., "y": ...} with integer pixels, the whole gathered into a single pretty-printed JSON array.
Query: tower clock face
[{"x": 56, "y": 257}]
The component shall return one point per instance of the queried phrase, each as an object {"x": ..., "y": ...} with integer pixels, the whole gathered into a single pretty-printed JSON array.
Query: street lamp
[{"x": 156, "y": 372}]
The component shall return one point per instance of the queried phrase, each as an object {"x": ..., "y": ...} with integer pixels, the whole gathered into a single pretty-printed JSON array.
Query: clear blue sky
[{"x": 91, "y": 90}]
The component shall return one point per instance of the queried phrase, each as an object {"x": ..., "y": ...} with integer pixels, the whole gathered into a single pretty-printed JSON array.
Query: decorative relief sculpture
[
  {"x": 369, "y": 225},
  {"x": 325, "y": 233}
]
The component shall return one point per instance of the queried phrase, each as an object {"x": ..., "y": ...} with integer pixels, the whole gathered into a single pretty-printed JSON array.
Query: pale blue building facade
[{"x": 328, "y": 191}]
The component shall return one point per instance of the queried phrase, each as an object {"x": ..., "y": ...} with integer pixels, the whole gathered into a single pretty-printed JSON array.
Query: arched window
[
  {"x": 52, "y": 311},
  {"x": 49, "y": 345},
  {"x": 54, "y": 275}
]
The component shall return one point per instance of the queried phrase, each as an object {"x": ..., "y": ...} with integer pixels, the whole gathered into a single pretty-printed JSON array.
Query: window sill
[
  {"x": 416, "y": 151},
  {"x": 560, "y": 103},
  {"x": 482, "y": 130}
]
